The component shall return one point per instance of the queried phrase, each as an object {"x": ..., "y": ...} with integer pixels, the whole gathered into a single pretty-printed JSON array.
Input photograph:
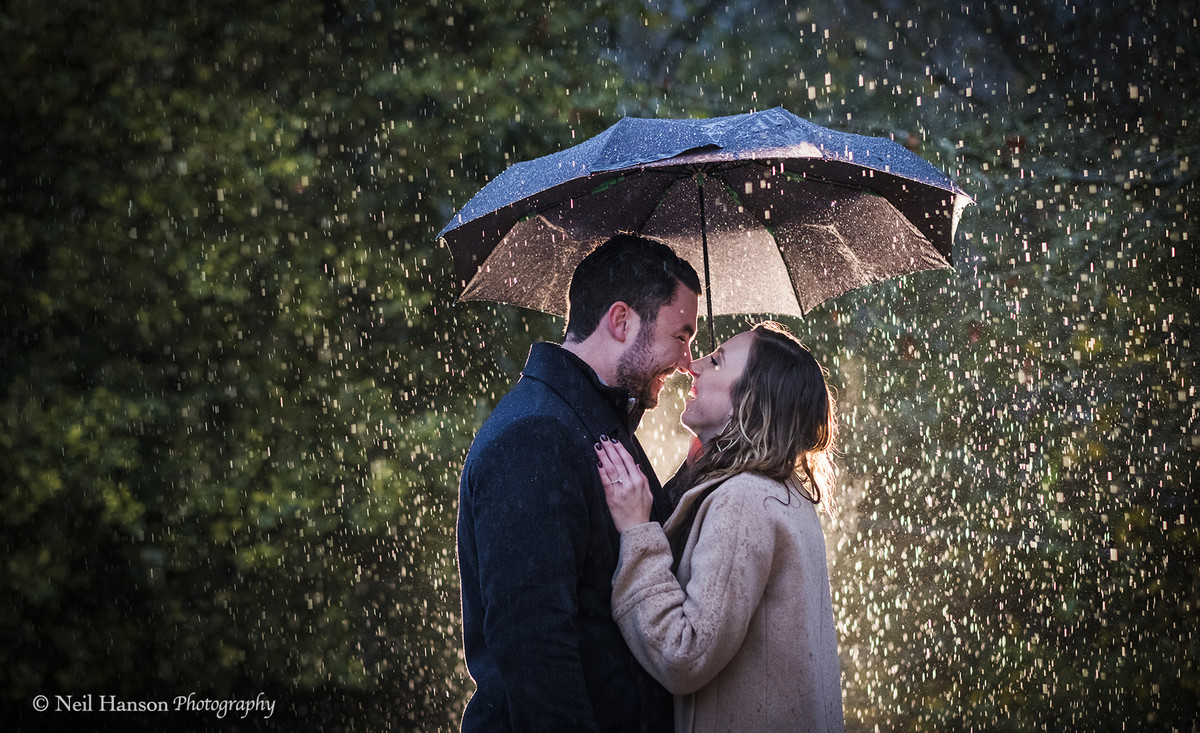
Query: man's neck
[{"x": 594, "y": 357}]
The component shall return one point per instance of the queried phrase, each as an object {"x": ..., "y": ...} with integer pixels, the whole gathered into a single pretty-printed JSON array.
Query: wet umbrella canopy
[{"x": 778, "y": 213}]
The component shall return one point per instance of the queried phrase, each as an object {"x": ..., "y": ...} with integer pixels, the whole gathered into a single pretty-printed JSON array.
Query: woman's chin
[{"x": 683, "y": 420}]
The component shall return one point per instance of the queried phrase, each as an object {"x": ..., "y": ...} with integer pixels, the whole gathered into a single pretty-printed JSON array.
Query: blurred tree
[{"x": 235, "y": 403}]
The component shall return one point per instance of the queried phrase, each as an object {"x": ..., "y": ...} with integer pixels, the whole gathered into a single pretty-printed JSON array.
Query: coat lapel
[{"x": 600, "y": 408}]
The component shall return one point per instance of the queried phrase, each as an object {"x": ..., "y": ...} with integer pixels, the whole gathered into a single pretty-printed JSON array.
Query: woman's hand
[{"x": 625, "y": 486}]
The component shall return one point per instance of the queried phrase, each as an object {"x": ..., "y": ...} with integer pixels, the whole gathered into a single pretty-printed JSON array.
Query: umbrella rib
[
  {"x": 697, "y": 171},
  {"x": 712, "y": 338},
  {"x": 551, "y": 204},
  {"x": 818, "y": 178},
  {"x": 672, "y": 179}
]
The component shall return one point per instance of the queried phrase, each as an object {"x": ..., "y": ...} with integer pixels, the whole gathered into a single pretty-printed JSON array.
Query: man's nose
[{"x": 685, "y": 361}]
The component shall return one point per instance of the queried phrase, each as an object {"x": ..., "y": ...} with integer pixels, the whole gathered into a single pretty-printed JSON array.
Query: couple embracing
[{"x": 596, "y": 599}]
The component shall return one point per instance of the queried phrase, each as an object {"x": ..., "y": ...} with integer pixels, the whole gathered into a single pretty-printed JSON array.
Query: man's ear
[{"x": 621, "y": 321}]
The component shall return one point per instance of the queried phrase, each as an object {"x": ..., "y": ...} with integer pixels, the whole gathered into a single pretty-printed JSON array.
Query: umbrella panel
[
  {"x": 933, "y": 210},
  {"x": 533, "y": 263},
  {"x": 833, "y": 239},
  {"x": 475, "y": 242},
  {"x": 746, "y": 272}
]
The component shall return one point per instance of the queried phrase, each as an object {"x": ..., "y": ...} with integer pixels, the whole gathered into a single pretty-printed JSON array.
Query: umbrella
[{"x": 779, "y": 213}]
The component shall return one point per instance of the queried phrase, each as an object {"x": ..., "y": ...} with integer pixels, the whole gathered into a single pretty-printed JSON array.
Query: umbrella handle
[{"x": 712, "y": 340}]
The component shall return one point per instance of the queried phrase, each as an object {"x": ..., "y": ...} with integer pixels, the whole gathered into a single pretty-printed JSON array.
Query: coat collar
[
  {"x": 689, "y": 498},
  {"x": 573, "y": 379},
  {"x": 603, "y": 409},
  {"x": 700, "y": 492}
]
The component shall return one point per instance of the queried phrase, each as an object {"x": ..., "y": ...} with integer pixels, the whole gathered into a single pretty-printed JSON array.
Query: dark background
[{"x": 237, "y": 390}]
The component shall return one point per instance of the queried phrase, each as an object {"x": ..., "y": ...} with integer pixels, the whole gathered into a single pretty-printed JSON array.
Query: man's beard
[{"x": 633, "y": 369}]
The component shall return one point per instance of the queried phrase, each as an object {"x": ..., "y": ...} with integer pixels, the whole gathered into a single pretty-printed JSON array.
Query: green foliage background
[{"x": 237, "y": 391}]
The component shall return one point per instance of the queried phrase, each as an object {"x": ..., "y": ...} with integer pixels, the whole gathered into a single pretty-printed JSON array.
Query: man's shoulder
[
  {"x": 529, "y": 447},
  {"x": 530, "y": 401},
  {"x": 528, "y": 416}
]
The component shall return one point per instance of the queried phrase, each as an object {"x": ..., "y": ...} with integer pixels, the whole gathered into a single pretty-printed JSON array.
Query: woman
[{"x": 728, "y": 605}]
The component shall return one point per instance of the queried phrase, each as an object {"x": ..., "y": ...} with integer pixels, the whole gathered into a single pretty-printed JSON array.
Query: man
[{"x": 536, "y": 545}]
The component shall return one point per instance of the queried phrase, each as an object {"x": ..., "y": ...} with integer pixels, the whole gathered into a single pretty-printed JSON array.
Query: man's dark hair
[{"x": 641, "y": 272}]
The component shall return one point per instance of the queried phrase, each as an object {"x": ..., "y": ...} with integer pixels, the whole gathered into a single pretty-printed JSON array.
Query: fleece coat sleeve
[{"x": 682, "y": 635}]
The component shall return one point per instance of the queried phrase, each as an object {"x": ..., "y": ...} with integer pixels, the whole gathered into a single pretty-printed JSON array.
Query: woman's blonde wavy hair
[{"x": 783, "y": 425}]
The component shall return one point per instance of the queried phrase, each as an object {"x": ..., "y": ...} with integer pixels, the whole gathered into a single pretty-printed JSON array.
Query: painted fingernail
[
  {"x": 597, "y": 446},
  {"x": 604, "y": 438}
]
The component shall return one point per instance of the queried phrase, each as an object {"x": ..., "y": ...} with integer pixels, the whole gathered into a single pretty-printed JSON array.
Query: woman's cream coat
[{"x": 744, "y": 637}]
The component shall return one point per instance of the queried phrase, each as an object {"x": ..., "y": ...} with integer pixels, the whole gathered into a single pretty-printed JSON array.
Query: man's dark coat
[{"x": 537, "y": 550}]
